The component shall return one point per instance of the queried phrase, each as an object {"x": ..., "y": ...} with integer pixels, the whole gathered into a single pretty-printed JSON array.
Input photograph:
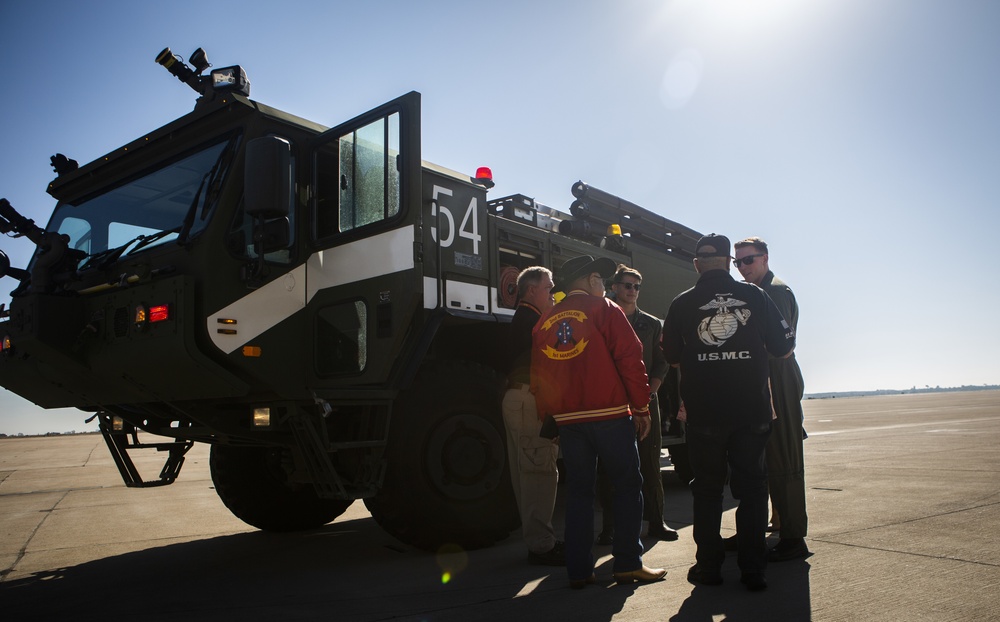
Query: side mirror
[
  {"x": 271, "y": 235},
  {"x": 267, "y": 177}
]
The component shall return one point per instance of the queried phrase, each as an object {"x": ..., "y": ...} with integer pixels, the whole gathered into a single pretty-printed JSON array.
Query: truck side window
[{"x": 357, "y": 178}]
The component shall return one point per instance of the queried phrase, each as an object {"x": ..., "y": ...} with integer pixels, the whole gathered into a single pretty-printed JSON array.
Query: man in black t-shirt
[{"x": 720, "y": 333}]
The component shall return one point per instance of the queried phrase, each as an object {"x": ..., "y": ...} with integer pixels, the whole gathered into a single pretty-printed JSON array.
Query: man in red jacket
[{"x": 587, "y": 374}]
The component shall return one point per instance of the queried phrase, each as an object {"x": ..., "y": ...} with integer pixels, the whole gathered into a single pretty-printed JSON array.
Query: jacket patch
[
  {"x": 714, "y": 330},
  {"x": 566, "y": 346}
]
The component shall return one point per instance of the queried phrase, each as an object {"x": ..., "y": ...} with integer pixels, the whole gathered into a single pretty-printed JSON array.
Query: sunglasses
[
  {"x": 748, "y": 260},
  {"x": 634, "y": 286}
]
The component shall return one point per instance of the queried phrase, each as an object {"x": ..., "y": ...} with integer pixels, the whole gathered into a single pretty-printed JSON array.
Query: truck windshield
[{"x": 174, "y": 201}]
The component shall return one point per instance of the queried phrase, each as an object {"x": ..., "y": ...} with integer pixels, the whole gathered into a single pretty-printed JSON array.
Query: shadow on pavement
[
  {"x": 786, "y": 597},
  {"x": 345, "y": 571},
  {"x": 352, "y": 570}
]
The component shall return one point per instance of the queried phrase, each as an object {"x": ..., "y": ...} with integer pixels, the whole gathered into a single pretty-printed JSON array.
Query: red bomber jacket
[{"x": 586, "y": 362}]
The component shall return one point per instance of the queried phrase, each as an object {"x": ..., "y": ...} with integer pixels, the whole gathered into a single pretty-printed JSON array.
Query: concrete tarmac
[{"x": 903, "y": 501}]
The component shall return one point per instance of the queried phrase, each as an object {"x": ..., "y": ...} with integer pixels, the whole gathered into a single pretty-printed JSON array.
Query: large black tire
[
  {"x": 252, "y": 484},
  {"x": 447, "y": 482}
]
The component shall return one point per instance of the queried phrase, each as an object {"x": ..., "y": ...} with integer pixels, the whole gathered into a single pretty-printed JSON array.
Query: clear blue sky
[{"x": 860, "y": 138}]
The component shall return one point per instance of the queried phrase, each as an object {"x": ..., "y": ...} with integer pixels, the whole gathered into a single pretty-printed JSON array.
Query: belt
[{"x": 517, "y": 386}]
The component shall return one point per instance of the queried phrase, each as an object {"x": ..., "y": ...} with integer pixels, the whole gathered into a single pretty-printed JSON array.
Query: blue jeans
[
  {"x": 614, "y": 443},
  {"x": 741, "y": 449}
]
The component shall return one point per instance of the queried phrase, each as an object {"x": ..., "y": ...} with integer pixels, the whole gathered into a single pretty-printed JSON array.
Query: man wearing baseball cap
[
  {"x": 587, "y": 373},
  {"x": 720, "y": 333}
]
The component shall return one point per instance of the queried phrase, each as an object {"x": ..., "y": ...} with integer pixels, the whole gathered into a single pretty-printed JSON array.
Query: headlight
[
  {"x": 231, "y": 79},
  {"x": 261, "y": 417}
]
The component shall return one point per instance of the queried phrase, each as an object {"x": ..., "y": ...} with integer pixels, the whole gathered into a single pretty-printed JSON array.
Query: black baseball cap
[{"x": 715, "y": 245}]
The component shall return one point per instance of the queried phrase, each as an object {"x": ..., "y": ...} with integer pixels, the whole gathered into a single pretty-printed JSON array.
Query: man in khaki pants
[{"x": 533, "y": 471}]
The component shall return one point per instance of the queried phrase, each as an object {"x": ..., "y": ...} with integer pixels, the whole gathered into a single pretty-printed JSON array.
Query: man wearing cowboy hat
[{"x": 587, "y": 373}]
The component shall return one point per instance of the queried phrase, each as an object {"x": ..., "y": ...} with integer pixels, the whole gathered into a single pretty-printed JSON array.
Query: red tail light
[{"x": 159, "y": 313}]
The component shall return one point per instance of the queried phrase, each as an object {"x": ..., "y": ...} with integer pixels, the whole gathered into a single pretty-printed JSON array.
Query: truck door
[{"x": 363, "y": 285}]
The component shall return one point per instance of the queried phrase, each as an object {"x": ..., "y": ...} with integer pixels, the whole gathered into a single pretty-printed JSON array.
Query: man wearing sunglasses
[
  {"x": 625, "y": 286},
  {"x": 785, "y": 464},
  {"x": 720, "y": 333}
]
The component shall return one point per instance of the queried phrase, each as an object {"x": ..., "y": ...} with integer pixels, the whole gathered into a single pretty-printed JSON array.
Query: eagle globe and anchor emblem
[{"x": 714, "y": 330}]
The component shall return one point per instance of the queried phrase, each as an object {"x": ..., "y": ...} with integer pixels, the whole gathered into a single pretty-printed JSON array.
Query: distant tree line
[{"x": 926, "y": 389}]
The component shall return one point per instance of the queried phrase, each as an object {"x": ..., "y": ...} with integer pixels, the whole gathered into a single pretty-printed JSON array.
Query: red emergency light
[{"x": 484, "y": 177}]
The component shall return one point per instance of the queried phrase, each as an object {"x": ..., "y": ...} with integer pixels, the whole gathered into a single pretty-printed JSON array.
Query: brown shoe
[
  {"x": 579, "y": 584},
  {"x": 642, "y": 575}
]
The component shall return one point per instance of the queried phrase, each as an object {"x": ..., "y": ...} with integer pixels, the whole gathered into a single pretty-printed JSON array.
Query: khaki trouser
[{"x": 533, "y": 471}]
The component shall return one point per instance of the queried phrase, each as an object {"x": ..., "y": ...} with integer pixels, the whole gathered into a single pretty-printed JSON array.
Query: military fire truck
[{"x": 320, "y": 305}]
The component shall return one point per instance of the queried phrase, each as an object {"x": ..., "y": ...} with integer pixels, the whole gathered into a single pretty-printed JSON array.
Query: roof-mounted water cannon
[
  {"x": 226, "y": 80},
  {"x": 11, "y": 221},
  {"x": 175, "y": 65}
]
